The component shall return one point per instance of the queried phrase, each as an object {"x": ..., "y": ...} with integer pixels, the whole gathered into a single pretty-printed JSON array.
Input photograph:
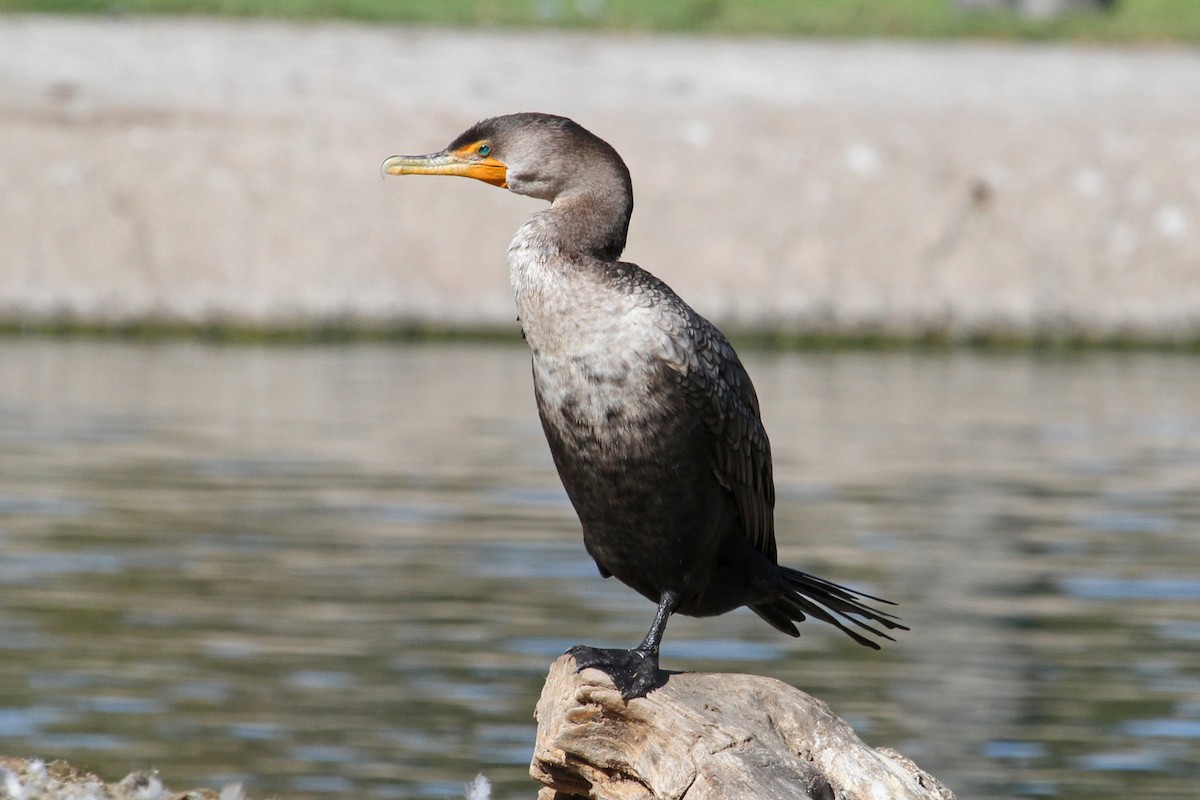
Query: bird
[{"x": 652, "y": 420}]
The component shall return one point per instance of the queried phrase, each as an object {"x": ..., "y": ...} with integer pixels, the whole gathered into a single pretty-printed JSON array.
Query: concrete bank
[{"x": 199, "y": 171}]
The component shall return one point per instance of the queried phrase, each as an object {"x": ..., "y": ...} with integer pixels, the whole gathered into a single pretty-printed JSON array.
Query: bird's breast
[
  {"x": 595, "y": 373},
  {"x": 603, "y": 347}
]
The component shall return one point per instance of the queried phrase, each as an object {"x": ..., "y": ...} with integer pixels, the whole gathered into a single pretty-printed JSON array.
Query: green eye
[{"x": 484, "y": 149}]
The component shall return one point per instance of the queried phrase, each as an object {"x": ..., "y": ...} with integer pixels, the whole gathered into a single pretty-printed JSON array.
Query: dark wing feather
[
  {"x": 719, "y": 391},
  {"x": 719, "y": 388}
]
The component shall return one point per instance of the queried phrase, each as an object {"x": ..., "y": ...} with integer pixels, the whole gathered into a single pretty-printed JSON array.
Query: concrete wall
[{"x": 198, "y": 171}]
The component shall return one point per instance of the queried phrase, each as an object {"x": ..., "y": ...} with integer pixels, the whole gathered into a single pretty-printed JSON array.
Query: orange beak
[{"x": 469, "y": 165}]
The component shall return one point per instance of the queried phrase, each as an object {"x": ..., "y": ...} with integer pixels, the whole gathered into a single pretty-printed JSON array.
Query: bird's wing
[
  {"x": 741, "y": 450},
  {"x": 717, "y": 387}
]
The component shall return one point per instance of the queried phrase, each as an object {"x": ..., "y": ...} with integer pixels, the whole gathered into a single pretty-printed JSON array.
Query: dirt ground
[{"x": 196, "y": 171}]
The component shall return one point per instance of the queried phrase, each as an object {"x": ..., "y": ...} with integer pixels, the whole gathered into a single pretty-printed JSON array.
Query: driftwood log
[{"x": 705, "y": 736}]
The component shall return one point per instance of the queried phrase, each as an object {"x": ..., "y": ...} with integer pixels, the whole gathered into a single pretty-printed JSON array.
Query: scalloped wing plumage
[
  {"x": 720, "y": 387},
  {"x": 719, "y": 390}
]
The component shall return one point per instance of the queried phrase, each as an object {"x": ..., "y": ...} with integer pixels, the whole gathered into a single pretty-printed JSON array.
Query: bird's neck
[
  {"x": 588, "y": 224},
  {"x": 564, "y": 251}
]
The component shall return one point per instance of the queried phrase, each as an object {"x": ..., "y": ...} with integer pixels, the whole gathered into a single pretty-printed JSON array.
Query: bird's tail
[{"x": 807, "y": 595}]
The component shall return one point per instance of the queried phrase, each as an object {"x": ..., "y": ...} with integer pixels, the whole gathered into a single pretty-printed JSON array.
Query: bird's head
[{"x": 538, "y": 155}]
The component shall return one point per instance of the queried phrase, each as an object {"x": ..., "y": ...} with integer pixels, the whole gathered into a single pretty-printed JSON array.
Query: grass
[
  {"x": 344, "y": 331},
  {"x": 1131, "y": 21},
  {"x": 350, "y": 331}
]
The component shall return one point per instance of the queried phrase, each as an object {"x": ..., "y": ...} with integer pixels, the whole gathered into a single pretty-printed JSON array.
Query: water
[{"x": 344, "y": 570}]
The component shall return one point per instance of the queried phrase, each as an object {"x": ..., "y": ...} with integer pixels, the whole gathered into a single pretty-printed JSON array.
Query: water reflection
[{"x": 339, "y": 570}]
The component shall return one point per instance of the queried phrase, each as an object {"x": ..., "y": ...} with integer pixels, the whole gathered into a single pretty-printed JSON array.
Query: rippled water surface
[{"x": 334, "y": 570}]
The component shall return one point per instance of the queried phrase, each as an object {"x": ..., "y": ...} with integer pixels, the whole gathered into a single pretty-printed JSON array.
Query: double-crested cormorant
[{"x": 651, "y": 418}]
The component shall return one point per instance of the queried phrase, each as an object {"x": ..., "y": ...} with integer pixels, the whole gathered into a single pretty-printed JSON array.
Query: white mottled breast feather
[{"x": 595, "y": 341}]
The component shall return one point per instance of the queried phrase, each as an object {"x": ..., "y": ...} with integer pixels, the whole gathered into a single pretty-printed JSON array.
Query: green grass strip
[{"x": 1152, "y": 21}]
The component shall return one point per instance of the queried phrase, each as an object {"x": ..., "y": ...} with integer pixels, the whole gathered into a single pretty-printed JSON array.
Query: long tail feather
[{"x": 809, "y": 596}]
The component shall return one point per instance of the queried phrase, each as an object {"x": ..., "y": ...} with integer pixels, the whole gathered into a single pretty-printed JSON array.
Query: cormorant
[{"x": 651, "y": 419}]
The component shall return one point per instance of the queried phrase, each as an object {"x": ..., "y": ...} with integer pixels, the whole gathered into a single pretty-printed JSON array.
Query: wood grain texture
[{"x": 707, "y": 736}]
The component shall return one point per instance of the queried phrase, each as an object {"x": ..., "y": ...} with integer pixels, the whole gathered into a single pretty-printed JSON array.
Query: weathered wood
[{"x": 705, "y": 736}]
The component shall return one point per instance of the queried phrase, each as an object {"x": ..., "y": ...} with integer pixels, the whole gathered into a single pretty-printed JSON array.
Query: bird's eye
[{"x": 484, "y": 149}]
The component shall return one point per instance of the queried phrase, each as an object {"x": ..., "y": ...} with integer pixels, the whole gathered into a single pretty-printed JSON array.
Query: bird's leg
[{"x": 635, "y": 672}]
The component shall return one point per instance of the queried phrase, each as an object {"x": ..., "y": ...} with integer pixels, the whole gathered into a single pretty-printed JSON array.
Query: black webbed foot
[{"x": 635, "y": 672}]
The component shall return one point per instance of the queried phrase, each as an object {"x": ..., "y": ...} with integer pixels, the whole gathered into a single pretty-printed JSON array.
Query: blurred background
[{"x": 275, "y": 506}]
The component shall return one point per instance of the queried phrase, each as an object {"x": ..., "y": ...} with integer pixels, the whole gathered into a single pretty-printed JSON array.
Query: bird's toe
[{"x": 633, "y": 672}]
